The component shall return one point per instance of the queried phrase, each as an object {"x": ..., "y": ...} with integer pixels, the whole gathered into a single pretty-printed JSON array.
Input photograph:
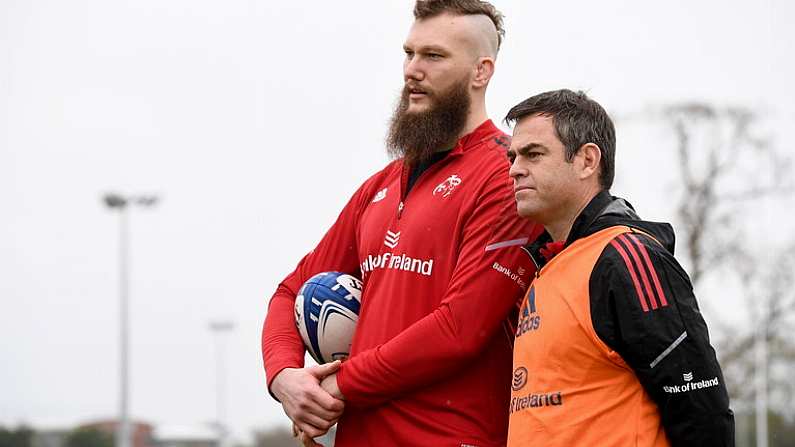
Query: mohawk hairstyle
[{"x": 424, "y": 9}]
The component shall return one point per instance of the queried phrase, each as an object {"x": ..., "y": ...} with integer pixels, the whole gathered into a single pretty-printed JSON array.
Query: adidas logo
[{"x": 391, "y": 240}]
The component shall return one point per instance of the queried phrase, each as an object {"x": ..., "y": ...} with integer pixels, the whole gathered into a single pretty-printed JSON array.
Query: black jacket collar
[
  {"x": 588, "y": 216},
  {"x": 602, "y": 211}
]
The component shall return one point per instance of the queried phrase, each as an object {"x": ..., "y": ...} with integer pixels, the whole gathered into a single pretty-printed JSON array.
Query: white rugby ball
[{"x": 326, "y": 312}]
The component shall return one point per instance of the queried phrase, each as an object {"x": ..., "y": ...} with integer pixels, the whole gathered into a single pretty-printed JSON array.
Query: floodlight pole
[
  {"x": 218, "y": 328},
  {"x": 118, "y": 202},
  {"x": 761, "y": 384}
]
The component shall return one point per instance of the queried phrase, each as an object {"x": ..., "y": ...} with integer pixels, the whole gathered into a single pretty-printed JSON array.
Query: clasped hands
[{"x": 310, "y": 398}]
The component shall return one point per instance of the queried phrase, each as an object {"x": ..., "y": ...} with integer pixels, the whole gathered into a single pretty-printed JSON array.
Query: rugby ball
[{"x": 326, "y": 312}]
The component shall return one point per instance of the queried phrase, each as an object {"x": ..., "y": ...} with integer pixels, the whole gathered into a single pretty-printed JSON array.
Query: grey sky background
[{"x": 255, "y": 121}]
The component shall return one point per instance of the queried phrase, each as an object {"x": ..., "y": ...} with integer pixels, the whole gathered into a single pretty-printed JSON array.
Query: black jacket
[{"x": 643, "y": 307}]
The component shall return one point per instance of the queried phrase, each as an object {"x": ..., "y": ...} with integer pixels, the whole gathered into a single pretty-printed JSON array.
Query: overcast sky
[{"x": 255, "y": 121}]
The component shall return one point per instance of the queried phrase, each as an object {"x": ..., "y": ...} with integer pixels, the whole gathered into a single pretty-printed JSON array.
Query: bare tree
[
  {"x": 728, "y": 171},
  {"x": 769, "y": 291},
  {"x": 723, "y": 165}
]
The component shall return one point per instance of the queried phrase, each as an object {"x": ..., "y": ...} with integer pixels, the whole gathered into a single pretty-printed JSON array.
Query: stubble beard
[{"x": 416, "y": 136}]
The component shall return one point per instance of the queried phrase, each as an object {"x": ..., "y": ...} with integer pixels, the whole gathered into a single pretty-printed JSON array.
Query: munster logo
[{"x": 446, "y": 187}]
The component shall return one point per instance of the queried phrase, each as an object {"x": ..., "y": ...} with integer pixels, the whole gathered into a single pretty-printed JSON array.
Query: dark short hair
[
  {"x": 578, "y": 120},
  {"x": 425, "y": 9}
]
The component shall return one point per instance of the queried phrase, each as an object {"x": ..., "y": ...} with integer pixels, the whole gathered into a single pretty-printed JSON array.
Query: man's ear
[
  {"x": 484, "y": 70},
  {"x": 589, "y": 158}
]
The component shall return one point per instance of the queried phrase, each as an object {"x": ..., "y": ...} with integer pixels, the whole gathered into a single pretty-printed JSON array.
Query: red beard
[{"x": 415, "y": 136}]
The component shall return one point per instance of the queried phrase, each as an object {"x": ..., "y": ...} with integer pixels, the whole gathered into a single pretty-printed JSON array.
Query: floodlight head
[
  {"x": 150, "y": 200},
  {"x": 114, "y": 200},
  {"x": 221, "y": 326}
]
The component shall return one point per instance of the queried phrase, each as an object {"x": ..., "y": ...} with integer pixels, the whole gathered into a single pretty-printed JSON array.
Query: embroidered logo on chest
[
  {"x": 391, "y": 239},
  {"x": 446, "y": 188},
  {"x": 381, "y": 195}
]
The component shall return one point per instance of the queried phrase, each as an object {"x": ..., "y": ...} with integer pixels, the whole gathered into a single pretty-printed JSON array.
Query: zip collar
[
  {"x": 604, "y": 211},
  {"x": 582, "y": 226},
  {"x": 483, "y": 132}
]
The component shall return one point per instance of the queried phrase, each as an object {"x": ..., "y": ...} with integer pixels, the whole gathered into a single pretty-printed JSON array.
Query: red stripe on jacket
[
  {"x": 631, "y": 270},
  {"x": 651, "y": 268}
]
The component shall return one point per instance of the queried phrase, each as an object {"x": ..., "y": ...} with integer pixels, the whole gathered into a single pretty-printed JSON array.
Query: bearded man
[{"x": 433, "y": 344}]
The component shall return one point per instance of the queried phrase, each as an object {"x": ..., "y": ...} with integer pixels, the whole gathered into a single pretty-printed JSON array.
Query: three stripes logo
[
  {"x": 531, "y": 300},
  {"x": 392, "y": 239},
  {"x": 641, "y": 270},
  {"x": 528, "y": 319}
]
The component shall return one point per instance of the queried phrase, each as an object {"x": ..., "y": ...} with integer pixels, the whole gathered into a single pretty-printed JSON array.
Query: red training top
[{"x": 442, "y": 269}]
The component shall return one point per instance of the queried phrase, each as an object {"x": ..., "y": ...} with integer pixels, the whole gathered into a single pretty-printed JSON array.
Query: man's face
[
  {"x": 545, "y": 184},
  {"x": 436, "y": 100},
  {"x": 439, "y": 54}
]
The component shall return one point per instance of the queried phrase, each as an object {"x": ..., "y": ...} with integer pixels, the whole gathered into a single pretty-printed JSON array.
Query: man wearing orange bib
[{"x": 611, "y": 349}]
